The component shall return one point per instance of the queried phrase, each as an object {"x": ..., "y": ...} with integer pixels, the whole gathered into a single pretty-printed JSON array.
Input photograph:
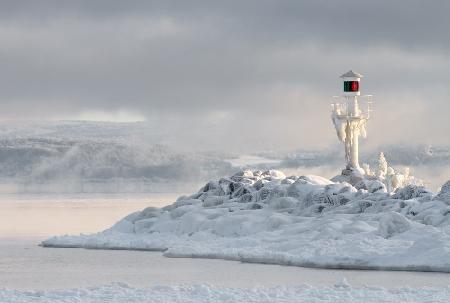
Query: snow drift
[
  {"x": 266, "y": 217},
  {"x": 119, "y": 292}
]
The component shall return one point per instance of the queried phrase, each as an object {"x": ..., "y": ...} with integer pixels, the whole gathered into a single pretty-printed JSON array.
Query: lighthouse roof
[{"x": 351, "y": 74}]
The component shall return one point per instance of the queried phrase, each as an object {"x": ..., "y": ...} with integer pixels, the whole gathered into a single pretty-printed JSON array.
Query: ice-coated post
[{"x": 349, "y": 120}]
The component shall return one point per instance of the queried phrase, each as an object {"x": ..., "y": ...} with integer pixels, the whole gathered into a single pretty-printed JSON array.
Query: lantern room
[{"x": 351, "y": 83}]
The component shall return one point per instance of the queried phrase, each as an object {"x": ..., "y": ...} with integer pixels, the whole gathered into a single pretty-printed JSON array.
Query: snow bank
[
  {"x": 119, "y": 292},
  {"x": 266, "y": 217}
]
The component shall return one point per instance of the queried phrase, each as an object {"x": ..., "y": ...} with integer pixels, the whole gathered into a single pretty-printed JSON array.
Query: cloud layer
[{"x": 251, "y": 72}]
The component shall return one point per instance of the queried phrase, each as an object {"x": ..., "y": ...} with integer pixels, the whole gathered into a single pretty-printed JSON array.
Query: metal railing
[{"x": 341, "y": 106}]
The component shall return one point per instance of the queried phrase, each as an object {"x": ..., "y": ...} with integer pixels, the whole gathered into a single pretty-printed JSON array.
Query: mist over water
[{"x": 105, "y": 157}]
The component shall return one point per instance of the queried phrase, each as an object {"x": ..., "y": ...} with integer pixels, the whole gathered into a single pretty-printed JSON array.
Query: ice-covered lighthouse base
[{"x": 303, "y": 221}]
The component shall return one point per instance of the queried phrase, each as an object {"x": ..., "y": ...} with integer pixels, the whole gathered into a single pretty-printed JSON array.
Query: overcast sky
[{"x": 248, "y": 73}]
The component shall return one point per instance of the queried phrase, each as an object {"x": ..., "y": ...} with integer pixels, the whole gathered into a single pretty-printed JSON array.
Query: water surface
[{"x": 26, "y": 220}]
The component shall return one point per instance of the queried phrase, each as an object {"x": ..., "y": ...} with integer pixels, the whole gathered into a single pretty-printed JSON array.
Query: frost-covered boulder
[
  {"x": 372, "y": 186},
  {"x": 274, "y": 174},
  {"x": 444, "y": 193},
  {"x": 412, "y": 191}
]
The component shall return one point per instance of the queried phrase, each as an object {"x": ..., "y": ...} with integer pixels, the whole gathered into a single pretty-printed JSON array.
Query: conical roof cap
[{"x": 351, "y": 74}]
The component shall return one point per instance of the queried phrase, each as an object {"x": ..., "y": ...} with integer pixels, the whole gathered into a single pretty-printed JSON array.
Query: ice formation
[
  {"x": 266, "y": 217},
  {"x": 120, "y": 292},
  {"x": 350, "y": 121},
  {"x": 367, "y": 219},
  {"x": 385, "y": 176}
]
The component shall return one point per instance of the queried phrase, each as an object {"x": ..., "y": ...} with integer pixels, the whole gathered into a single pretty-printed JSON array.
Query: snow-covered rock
[
  {"x": 444, "y": 193},
  {"x": 266, "y": 217},
  {"x": 372, "y": 186},
  {"x": 411, "y": 191}
]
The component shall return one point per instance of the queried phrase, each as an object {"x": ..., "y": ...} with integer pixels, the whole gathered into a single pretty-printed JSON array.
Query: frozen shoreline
[
  {"x": 267, "y": 255},
  {"x": 88, "y": 275},
  {"x": 304, "y": 221},
  {"x": 23, "y": 264}
]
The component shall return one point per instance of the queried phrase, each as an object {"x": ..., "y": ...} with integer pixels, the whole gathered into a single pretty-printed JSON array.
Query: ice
[
  {"x": 444, "y": 193},
  {"x": 393, "y": 223},
  {"x": 120, "y": 292},
  {"x": 266, "y": 217}
]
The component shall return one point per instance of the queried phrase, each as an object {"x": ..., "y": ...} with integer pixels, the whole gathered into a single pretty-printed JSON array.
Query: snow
[
  {"x": 120, "y": 292},
  {"x": 309, "y": 221},
  {"x": 444, "y": 193}
]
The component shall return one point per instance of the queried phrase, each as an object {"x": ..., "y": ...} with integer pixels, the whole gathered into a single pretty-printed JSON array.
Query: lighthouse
[{"x": 350, "y": 119}]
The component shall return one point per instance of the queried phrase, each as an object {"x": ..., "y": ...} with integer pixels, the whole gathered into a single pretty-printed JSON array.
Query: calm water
[{"x": 26, "y": 220}]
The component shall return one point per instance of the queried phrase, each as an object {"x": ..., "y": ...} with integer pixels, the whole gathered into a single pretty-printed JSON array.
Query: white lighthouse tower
[{"x": 350, "y": 120}]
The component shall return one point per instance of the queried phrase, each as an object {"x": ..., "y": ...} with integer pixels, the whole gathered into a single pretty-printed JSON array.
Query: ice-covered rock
[
  {"x": 444, "y": 193},
  {"x": 411, "y": 191},
  {"x": 274, "y": 174},
  {"x": 372, "y": 186},
  {"x": 306, "y": 220}
]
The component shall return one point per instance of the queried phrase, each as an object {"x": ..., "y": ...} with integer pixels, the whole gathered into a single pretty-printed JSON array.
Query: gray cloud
[{"x": 260, "y": 69}]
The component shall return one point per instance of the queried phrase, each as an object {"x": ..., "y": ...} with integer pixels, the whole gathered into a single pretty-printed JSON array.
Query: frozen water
[
  {"x": 119, "y": 292},
  {"x": 85, "y": 275},
  {"x": 25, "y": 266}
]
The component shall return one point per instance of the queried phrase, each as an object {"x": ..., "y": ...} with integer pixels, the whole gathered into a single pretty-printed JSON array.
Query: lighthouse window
[{"x": 351, "y": 86}]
